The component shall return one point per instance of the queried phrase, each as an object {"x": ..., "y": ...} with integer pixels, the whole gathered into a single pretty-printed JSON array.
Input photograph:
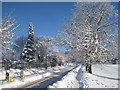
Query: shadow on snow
[{"x": 106, "y": 77}]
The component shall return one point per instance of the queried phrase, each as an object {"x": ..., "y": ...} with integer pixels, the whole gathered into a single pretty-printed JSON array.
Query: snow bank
[{"x": 68, "y": 81}]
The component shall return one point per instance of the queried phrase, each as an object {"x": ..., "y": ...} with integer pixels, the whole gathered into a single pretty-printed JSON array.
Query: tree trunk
[
  {"x": 45, "y": 64},
  {"x": 88, "y": 68}
]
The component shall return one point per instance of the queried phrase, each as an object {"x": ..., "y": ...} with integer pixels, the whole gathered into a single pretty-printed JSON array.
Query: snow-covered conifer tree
[{"x": 28, "y": 54}]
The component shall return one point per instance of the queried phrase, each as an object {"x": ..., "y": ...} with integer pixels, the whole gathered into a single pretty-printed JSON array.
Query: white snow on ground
[
  {"x": 104, "y": 76},
  {"x": 68, "y": 81},
  {"x": 33, "y": 75},
  {"x": 18, "y": 82},
  {"x": 16, "y": 72},
  {"x": 111, "y": 70}
]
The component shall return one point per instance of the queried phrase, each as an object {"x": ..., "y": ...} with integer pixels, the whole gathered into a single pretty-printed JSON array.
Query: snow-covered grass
[
  {"x": 104, "y": 76},
  {"x": 33, "y": 74},
  {"x": 108, "y": 70}
]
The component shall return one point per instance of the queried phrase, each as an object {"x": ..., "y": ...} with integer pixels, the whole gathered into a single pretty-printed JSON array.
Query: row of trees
[
  {"x": 90, "y": 36},
  {"x": 34, "y": 52}
]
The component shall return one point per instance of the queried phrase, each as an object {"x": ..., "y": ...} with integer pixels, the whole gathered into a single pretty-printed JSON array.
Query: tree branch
[{"x": 106, "y": 25}]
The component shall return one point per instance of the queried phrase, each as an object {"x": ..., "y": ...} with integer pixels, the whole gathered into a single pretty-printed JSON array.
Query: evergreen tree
[{"x": 28, "y": 54}]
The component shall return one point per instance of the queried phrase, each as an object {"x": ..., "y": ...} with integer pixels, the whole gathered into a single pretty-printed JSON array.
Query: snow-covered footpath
[
  {"x": 68, "y": 81},
  {"x": 104, "y": 76},
  {"x": 32, "y": 75}
]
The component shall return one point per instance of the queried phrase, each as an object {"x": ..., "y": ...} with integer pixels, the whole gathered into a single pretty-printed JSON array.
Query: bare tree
[{"x": 8, "y": 25}]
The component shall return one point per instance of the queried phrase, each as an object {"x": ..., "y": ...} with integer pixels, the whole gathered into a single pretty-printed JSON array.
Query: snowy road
[
  {"x": 69, "y": 80},
  {"x": 49, "y": 81},
  {"x": 33, "y": 76}
]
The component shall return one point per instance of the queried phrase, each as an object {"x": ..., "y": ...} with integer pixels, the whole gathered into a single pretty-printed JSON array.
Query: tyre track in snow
[
  {"x": 80, "y": 78},
  {"x": 71, "y": 80},
  {"x": 52, "y": 79}
]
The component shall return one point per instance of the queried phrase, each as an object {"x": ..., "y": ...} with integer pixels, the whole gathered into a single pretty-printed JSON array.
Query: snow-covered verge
[
  {"x": 107, "y": 70},
  {"x": 104, "y": 76},
  {"x": 68, "y": 81},
  {"x": 16, "y": 72},
  {"x": 32, "y": 75},
  {"x": 17, "y": 83}
]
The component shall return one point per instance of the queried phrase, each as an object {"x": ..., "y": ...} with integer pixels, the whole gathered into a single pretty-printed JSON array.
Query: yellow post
[
  {"x": 7, "y": 76},
  {"x": 10, "y": 79},
  {"x": 22, "y": 74}
]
